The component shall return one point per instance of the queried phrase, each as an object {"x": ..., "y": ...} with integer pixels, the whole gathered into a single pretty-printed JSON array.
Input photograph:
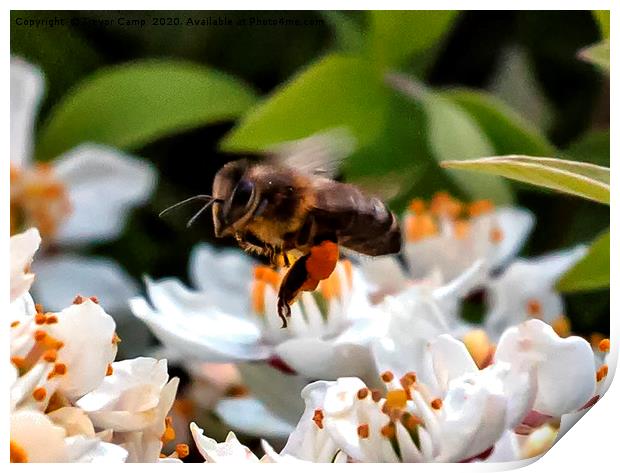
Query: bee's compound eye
[{"x": 243, "y": 193}]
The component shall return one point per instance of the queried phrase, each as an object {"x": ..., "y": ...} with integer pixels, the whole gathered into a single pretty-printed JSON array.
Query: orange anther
[
  {"x": 182, "y": 450},
  {"x": 78, "y": 299},
  {"x": 417, "y": 206},
  {"x": 94, "y": 299},
  {"x": 436, "y": 403},
  {"x": 389, "y": 430},
  {"x": 461, "y": 229},
  {"x": 561, "y": 325},
  {"x": 50, "y": 355},
  {"x": 116, "y": 339},
  {"x": 18, "y": 453},
  {"x": 52, "y": 319},
  {"x": 363, "y": 431},
  {"x": 267, "y": 274},
  {"x": 601, "y": 373},
  {"x": 318, "y": 418},
  {"x": 387, "y": 376},
  {"x": 496, "y": 235},
  {"x": 39, "y": 335},
  {"x": 39, "y": 319},
  {"x": 60, "y": 368},
  {"x": 348, "y": 270},
  {"x": 15, "y": 323},
  {"x": 410, "y": 421},
  {"x": 480, "y": 207},
  {"x": 418, "y": 227},
  {"x": 18, "y": 361},
  {"x": 376, "y": 395},
  {"x": 39, "y": 394},
  {"x": 258, "y": 296},
  {"x": 362, "y": 393},
  {"x": 603, "y": 345},
  {"x": 534, "y": 308},
  {"x": 39, "y": 308},
  {"x": 443, "y": 204},
  {"x": 109, "y": 370}
]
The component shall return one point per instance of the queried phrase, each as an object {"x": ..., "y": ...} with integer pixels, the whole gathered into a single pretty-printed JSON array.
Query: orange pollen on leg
[
  {"x": 480, "y": 207},
  {"x": 496, "y": 235},
  {"x": 18, "y": 453},
  {"x": 169, "y": 434},
  {"x": 50, "y": 355},
  {"x": 436, "y": 403},
  {"x": 15, "y": 323},
  {"x": 418, "y": 227},
  {"x": 52, "y": 319},
  {"x": 362, "y": 393},
  {"x": 387, "y": 376},
  {"x": 603, "y": 345},
  {"x": 39, "y": 319},
  {"x": 258, "y": 296},
  {"x": 601, "y": 373},
  {"x": 534, "y": 308},
  {"x": 109, "y": 370},
  {"x": 322, "y": 260},
  {"x": 389, "y": 430},
  {"x": 318, "y": 418},
  {"x": 396, "y": 399},
  {"x": 363, "y": 431},
  {"x": 39, "y": 394},
  {"x": 182, "y": 450}
]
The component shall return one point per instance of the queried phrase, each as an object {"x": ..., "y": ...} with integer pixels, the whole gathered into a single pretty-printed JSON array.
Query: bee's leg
[
  {"x": 287, "y": 262},
  {"x": 305, "y": 275}
]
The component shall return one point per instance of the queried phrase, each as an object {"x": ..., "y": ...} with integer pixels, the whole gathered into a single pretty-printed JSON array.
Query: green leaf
[
  {"x": 573, "y": 177},
  {"x": 597, "y": 54},
  {"x": 602, "y": 18},
  {"x": 454, "y": 135},
  {"x": 592, "y": 271},
  {"x": 130, "y": 105},
  {"x": 593, "y": 147},
  {"x": 348, "y": 35},
  {"x": 508, "y": 132},
  {"x": 396, "y": 36},
  {"x": 336, "y": 91}
]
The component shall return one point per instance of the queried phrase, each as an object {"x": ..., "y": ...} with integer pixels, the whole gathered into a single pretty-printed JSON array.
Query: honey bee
[{"x": 289, "y": 204}]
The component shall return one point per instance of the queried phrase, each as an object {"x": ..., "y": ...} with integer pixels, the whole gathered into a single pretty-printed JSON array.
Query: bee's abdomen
[{"x": 359, "y": 222}]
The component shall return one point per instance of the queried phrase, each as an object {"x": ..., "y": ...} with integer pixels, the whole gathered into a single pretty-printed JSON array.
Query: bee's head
[{"x": 236, "y": 198}]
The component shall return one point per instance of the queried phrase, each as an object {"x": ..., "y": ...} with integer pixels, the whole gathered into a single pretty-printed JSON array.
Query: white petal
[
  {"x": 188, "y": 323},
  {"x": 27, "y": 86},
  {"x": 564, "y": 367},
  {"x": 515, "y": 224},
  {"x": 22, "y": 250},
  {"x": 506, "y": 449},
  {"x": 385, "y": 274},
  {"x": 103, "y": 185},
  {"x": 87, "y": 332},
  {"x": 73, "y": 420},
  {"x": 251, "y": 417},
  {"x": 450, "y": 359},
  {"x": 230, "y": 451},
  {"x": 93, "y": 450},
  {"x": 38, "y": 437},
  {"x": 63, "y": 277}
]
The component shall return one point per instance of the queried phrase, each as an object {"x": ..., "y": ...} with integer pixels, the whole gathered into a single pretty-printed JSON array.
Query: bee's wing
[{"x": 321, "y": 153}]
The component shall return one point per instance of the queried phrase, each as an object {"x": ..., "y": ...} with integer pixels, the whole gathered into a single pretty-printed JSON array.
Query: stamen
[
  {"x": 18, "y": 453},
  {"x": 387, "y": 376},
  {"x": 603, "y": 345},
  {"x": 376, "y": 395},
  {"x": 15, "y": 323},
  {"x": 169, "y": 434},
  {"x": 602, "y": 372},
  {"x": 436, "y": 404},
  {"x": 39, "y": 394},
  {"x": 419, "y": 227},
  {"x": 362, "y": 393},
  {"x": 363, "y": 431},
  {"x": 52, "y": 319},
  {"x": 561, "y": 325},
  {"x": 109, "y": 370},
  {"x": 389, "y": 430},
  {"x": 461, "y": 229},
  {"x": 318, "y": 418},
  {"x": 534, "y": 308},
  {"x": 496, "y": 235},
  {"x": 480, "y": 207},
  {"x": 182, "y": 450}
]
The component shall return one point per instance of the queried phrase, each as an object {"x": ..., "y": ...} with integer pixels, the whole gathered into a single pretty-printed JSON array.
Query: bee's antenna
[
  {"x": 210, "y": 200},
  {"x": 204, "y": 207}
]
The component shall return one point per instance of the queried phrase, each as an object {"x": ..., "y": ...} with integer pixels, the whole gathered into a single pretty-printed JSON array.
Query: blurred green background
[{"x": 491, "y": 83}]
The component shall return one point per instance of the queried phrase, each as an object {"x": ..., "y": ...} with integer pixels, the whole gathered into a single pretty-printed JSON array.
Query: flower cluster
[{"x": 70, "y": 401}]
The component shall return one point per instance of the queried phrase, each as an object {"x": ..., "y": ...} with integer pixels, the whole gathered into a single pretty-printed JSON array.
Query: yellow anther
[
  {"x": 109, "y": 370},
  {"x": 479, "y": 346}
]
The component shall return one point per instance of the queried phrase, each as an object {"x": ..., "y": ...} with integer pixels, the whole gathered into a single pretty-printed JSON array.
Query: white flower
[
  {"x": 526, "y": 290},
  {"x": 334, "y": 323},
  {"x": 81, "y": 197},
  {"x": 23, "y": 248}
]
